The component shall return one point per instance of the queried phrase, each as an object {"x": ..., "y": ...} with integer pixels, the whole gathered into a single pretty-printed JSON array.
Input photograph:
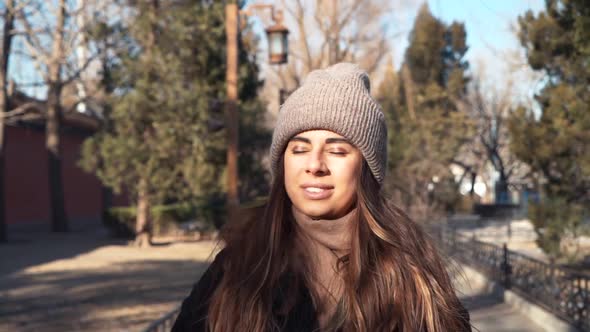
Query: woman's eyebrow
[
  {"x": 328, "y": 140},
  {"x": 300, "y": 139},
  {"x": 337, "y": 140}
]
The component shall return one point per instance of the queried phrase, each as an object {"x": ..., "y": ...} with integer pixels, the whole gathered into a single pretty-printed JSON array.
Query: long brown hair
[{"x": 394, "y": 278}]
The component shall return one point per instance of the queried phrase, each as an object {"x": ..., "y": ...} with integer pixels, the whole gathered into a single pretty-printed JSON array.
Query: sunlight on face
[{"x": 322, "y": 171}]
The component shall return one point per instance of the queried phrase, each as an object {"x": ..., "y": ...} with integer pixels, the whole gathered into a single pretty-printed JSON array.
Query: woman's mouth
[{"x": 317, "y": 192}]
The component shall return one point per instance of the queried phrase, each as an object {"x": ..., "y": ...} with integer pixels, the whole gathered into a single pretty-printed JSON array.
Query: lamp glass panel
[{"x": 276, "y": 43}]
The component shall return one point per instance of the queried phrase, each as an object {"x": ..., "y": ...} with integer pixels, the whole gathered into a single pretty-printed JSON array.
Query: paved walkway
[
  {"x": 489, "y": 314},
  {"x": 86, "y": 282},
  {"x": 518, "y": 234}
]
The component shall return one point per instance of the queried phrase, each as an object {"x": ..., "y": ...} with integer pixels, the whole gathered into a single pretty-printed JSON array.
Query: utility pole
[
  {"x": 231, "y": 116},
  {"x": 278, "y": 52}
]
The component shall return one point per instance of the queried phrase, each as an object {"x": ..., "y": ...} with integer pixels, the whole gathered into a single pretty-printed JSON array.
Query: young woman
[{"x": 328, "y": 252}]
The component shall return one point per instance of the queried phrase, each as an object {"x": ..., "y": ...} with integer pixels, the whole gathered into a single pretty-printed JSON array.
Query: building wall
[
  {"x": 25, "y": 174},
  {"x": 82, "y": 191},
  {"x": 26, "y": 179}
]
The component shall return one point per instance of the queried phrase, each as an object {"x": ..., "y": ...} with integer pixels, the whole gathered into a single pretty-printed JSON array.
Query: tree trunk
[
  {"x": 231, "y": 110},
  {"x": 501, "y": 190},
  {"x": 143, "y": 234},
  {"x": 6, "y": 45},
  {"x": 473, "y": 180},
  {"x": 59, "y": 222},
  {"x": 409, "y": 90},
  {"x": 109, "y": 87},
  {"x": 334, "y": 36},
  {"x": 107, "y": 199},
  {"x": 142, "y": 222}
]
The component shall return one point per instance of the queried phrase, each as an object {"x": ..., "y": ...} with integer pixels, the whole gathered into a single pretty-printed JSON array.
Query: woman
[{"x": 327, "y": 252}]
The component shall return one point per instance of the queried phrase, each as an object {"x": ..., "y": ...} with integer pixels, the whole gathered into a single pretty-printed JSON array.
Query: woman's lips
[{"x": 317, "y": 192}]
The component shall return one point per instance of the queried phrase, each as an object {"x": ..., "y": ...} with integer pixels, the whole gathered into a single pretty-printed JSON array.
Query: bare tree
[
  {"x": 51, "y": 38},
  {"x": 330, "y": 31},
  {"x": 489, "y": 109},
  {"x": 7, "y": 35}
]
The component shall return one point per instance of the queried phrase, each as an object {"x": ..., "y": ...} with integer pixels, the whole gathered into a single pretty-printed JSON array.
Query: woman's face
[{"x": 322, "y": 171}]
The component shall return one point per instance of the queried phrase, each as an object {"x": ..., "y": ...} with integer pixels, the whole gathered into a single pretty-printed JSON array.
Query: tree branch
[
  {"x": 32, "y": 40},
  {"x": 80, "y": 70},
  {"x": 22, "y": 109}
]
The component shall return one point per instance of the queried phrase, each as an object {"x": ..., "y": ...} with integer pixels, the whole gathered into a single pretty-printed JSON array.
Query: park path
[
  {"x": 88, "y": 282},
  {"x": 490, "y": 314},
  {"x": 518, "y": 234},
  {"x": 488, "y": 311}
]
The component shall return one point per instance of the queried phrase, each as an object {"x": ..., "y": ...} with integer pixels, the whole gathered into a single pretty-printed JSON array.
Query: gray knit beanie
[{"x": 337, "y": 99}]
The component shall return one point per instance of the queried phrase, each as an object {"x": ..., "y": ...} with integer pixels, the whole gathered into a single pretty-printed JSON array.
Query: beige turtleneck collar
[
  {"x": 334, "y": 234},
  {"x": 326, "y": 240}
]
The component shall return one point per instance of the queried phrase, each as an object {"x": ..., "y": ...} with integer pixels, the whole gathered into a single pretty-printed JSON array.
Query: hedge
[{"x": 165, "y": 218}]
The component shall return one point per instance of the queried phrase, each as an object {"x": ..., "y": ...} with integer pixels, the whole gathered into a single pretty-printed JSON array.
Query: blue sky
[
  {"x": 491, "y": 38},
  {"x": 488, "y": 23}
]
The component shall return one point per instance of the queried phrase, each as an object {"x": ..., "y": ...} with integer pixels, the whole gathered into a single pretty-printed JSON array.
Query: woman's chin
[
  {"x": 318, "y": 212},
  {"x": 311, "y": 211}
]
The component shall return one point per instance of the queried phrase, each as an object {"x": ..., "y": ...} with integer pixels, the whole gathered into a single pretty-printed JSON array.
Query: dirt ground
[{"x": 88, "y": 282}]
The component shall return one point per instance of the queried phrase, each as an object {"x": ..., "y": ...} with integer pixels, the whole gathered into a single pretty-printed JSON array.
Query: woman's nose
[{"x": 316, "y": 164}]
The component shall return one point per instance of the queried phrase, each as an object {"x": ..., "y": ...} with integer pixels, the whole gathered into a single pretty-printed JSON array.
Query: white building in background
[
  {"x": 484, "y": 186},
  {"x": 81, "y": 56},
  {"x": 90, "y": 76}
]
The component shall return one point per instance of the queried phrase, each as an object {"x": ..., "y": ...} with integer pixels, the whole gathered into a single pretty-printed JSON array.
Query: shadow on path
[
  {"x": 26, "y": 249},
  {"x": 110, "y": 299}
]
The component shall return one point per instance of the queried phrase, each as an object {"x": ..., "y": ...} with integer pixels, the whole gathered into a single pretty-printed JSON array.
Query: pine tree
[
  {"x": 426, "y": 125},
  {"x": 555, "y": 142},
  {"x": 166, "y": 140}
]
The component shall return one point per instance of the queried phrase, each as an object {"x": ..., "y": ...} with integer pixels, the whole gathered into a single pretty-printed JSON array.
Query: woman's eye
[
  {"x": 298, "y": 151},
  {"x": 338, "y": 152}
]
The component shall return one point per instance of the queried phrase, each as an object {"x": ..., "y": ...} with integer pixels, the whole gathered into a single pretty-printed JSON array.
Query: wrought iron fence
[
  {"x": 164, "y": 323},
  {"x": 564, "y": 292}
]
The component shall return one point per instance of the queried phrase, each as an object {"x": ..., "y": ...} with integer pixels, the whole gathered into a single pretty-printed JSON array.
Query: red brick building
[{"x": 26, "y": 170}]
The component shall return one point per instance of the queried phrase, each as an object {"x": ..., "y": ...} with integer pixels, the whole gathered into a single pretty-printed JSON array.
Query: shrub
[
  {"x": 165, "y": 218},
  {"x": 554, "y": 220},
  {"x": 120, "y": 221}
]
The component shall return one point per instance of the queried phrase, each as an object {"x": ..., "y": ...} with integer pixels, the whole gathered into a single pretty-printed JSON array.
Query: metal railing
[
  {"x": 164, "y": 323},
  {"x": 563, "y": 292}
]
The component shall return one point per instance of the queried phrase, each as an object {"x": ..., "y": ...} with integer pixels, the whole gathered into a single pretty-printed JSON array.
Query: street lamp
[
  {"x": 277, "y": 34},
  {"x": 278, "y": 41},
  {"x": 278, "y": 53}
]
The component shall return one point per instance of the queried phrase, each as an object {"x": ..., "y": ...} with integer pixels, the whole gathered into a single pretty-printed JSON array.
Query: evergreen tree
[
  {"x": 426, "y": 125},
  {"x": 388, "y": 94},
  {"x": 556, "y": 141},
  {"x": 165, "y": 141}
]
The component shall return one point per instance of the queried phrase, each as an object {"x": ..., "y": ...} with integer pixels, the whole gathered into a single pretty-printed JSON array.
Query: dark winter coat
[{"x": 193, "y": 313}]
